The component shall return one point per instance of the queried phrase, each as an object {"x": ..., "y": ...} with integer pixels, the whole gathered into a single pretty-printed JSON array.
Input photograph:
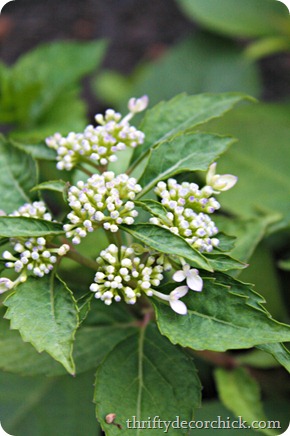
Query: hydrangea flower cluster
[
  {"x": 99, "y": 144},
  {"x": 188, "y": 208},
  {"x": 37, "y": 209},
  {"x": 123, "y": 274},
  {"x": 105, "y": 199},
  {"x": 32, "y": 254}
]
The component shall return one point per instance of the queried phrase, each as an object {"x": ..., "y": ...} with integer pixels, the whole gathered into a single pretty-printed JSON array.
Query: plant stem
[
  {"x": 114, "y": 238},
  {"x": 85, "y": 261},
  {"x": 84, "y": 170},
  {"x": 218, "y": 359},
  {"x": 136, "y": 163}
]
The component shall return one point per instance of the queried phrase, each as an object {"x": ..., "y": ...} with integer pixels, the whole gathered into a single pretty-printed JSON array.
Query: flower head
[
  {"x": 30, "y": 255},
  {"x": 99, "y": 144},
  {"x": 37, "y": 209},
  {"x": 188, "y": 209},
  {"x": 219, "y": 182},
  {"x": 104, "y": 200},
  {"x": 124, "y": 275}
]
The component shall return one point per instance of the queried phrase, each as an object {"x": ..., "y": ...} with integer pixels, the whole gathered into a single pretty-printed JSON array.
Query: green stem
[
  {"x": 136, "y": 163},
  {"x": 114, "y": 238},
  {"x": 84, "y": 170},
  {"x": 85, "y": 261}
]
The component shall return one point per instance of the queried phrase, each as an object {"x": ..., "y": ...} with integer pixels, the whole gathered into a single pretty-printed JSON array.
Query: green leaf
[
  {"x": 190, "y": 152},
  {"x": 93, "y": 341},
  {"x": 284, "y": 264},
  {"x": 215, "y": 412},
  {"x": 17, "y": 176},
  {"x": 279, "y": 352},
  {"x": 201, "y": 63},
  {"x": 221, "y": 317},
  {"x": 45, "y": 313},
  {"x": 248, "y": 232},
  {"x": 62, "y": 63},
  {"x": 240, "y": 393},
  {"x": 267, "y": 47},
  {"x": 256, "y": 358},
  {"x": 67, "y": 114},
  {"x": 154, "y": 378},
  {"x": 248, "y": 18},
  {"x": 155, "y": 208},
  {"x": 226, "y": 242},
  {"x": 53, "y": 185},
  {"x": 181, "y": 114},
  {"x": 223, "y": 262},
  {"x": 263, "y": 272},
  {"x": 13, "y": 226},
  {"x": 262, "y": 168},
  {"x": 165, "y": 241},
  {"x": 41, "y": 406},
  {"x": 37, "y": 151}
]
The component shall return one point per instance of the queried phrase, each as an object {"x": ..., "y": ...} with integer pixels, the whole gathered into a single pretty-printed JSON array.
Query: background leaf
[
  {"x": 248, "y": 18},
  {"x": 279, "y": 352},
  {"x": 48, "y": 100},
  {"x": 260, "y": 160},
  {"x": 240, "y": 393},
  {"x": 41, "y": 406},
  {"x": 276, "y": 410},
  {"x": 201, "y": 63},
  {"x": 17, "y": 176},
  {"x": 156, "y": 378},
  {"x": 50, "y": 323}
]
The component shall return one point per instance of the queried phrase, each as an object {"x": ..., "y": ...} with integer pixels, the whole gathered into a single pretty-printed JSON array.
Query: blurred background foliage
[{"x": 63, "y": 62}]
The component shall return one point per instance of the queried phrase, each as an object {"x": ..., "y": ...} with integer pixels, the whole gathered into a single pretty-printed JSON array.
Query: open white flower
[
  {"x": 174, "y": 299},
  {"x": 136, "y": 105},
  {"x": 219, "y": 182},
  {"x": 175, "y": 304},
  {"x": 193, "y": 280}
]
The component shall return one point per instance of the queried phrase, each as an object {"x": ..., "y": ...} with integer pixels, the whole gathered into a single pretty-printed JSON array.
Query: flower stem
[
  {"x": 85, "y": 261},
  {"x": 114, "y": 238}
]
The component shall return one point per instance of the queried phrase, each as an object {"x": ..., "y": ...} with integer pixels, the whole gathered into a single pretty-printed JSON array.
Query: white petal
[
  {"x": 178, "y": 307},
  {"x": 138, "y": 104},
  {"x": 194, "y": 281},
  {"x": 178, "y": 293},
  {"x": 225, "y": 182},
  {"x": 210, "y": 173},
  {"x": 178, "y": 276}
]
